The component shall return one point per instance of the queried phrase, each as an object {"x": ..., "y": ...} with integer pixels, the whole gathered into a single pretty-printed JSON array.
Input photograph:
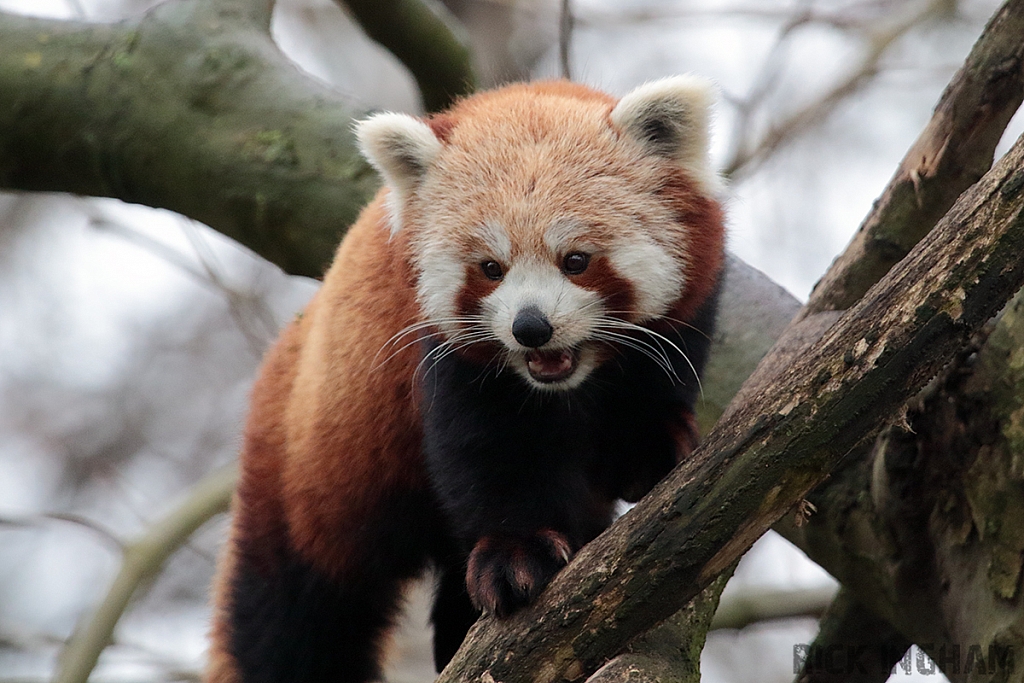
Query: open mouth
[{"x": 551, "y": 366}]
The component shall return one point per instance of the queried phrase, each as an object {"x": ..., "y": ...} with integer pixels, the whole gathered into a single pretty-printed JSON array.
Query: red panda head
[{"x": 550, "y": 223}]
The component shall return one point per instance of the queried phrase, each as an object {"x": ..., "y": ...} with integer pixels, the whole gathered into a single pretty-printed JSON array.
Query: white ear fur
[
  {"x": 401, "y": 148},
  {"x": 672, "y": 117}
]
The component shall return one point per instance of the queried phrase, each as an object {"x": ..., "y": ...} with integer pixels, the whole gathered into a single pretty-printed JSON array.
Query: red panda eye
[
  {"x": 575, "y": 263},
  {"x": 492, "y": 269}
]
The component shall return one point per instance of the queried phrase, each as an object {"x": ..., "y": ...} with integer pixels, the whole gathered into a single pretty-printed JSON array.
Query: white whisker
[
  {"x": 644, "y": 349},
  {"x": 616, "y": 323},
  {"x": 474, "y": 322},
  {"x": 446, "y": 347}
]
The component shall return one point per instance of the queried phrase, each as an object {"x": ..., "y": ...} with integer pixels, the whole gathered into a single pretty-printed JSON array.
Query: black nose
[{"x": 531, "y": 328}]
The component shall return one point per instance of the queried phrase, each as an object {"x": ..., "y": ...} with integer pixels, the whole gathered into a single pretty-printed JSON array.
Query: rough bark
[
  {"x": 768, "y": 452},
  {"x": 70, "y": 93},
  {"x": 927, "y": 527},
  {"x": 670, "y": 652},
  {"x": 876, "y": 527}
]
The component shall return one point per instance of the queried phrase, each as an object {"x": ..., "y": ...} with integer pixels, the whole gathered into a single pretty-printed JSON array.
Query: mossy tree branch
[
  {"x": 885, "y": 520},
  {"x": 190, "y": 108},
  {"x": 923, "y": 525},
  {"x": 108, "y": 59}
]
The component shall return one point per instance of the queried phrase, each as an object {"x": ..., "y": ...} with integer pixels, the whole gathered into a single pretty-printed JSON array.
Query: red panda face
[{"x": 548, "y": 229}]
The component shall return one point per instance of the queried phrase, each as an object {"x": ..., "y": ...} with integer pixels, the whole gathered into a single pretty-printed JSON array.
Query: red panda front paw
[{"x": 506, "y": 572}]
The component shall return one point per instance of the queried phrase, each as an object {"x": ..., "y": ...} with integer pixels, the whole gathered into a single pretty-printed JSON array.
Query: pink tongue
[{"x": 549, "y": 364}]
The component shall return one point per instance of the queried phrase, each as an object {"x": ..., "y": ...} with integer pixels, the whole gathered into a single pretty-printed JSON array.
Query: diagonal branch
[
  {"x": 415, "y": 32},
  {"x": 144, "y": 558},
  {"x": 769, "y": 451}
]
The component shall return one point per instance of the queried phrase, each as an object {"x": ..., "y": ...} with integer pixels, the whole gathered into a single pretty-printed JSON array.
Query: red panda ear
[
  {"x": 401, "y": 148},
  {"x": 671, "y": 118}
]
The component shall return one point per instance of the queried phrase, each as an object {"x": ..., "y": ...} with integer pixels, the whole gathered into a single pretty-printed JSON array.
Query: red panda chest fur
[{"x": 509, "y": 341}]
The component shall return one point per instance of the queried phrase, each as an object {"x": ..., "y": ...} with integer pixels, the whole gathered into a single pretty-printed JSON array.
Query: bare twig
[
  {"x": 855, "y": 16},
  {"x": 108, "y": 536},
  {"x": 738, "y": 610},
  {"x": 245, "y": 309},
  {"x": 143, "y": 560},
  {"x": 747, "y": 158},
  {"x": 953, "y": 151}
]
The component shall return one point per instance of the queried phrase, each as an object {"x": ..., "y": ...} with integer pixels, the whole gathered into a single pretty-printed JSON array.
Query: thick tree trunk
[
  {"x": 193, "y": 108},
  {"x": 926, "y": 527}
]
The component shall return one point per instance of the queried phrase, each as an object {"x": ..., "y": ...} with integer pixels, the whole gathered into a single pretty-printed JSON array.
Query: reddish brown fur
[
  {"x": 335, "y": 474},
  {"x": 334, "y": 424},
  {"x": 442, "y": 125},
  {"x": 308, "y": 477},
  {"x": 704, "y": 252},
  {"x": 476, "y": 288},
  {"x": 615, "y": 290}
]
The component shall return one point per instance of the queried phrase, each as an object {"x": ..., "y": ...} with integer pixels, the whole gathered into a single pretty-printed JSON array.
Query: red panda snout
[
  {"x": 531, "y": 327},
  {"x": 545, "y": 322}
]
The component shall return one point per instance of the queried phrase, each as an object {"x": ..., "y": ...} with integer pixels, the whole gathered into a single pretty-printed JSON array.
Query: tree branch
[
  {"x": 415, "y": 33},
  {"x": 769, "y": 451},
  {"x": 745, "y": 159},
  {"x": 187, "y": 109},
  {"x": 740, "y": 610},
  {"x": 144, "y": 558},
  {"x": 921, "y": 523},
  {"x": 853, "y": 646},
  {"x": 255, "y": 12},
  {"x": 669, "y": 653}
]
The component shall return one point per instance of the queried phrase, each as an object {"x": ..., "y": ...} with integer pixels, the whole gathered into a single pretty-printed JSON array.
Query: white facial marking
[
  {"x": 496, "y": 241},
  {"x": 655, "y": 276},
  {"x": 564, "y": 234},
  {"x": 442, "y": 277}
]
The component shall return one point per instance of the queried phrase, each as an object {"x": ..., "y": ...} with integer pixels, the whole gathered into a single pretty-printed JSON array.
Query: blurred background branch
[
  {"x": 427, "y": 40},
  {"x": 143, "y": 560}
]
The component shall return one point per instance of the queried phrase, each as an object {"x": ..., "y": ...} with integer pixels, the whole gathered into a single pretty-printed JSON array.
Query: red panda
[{"x": 509, "y": 340}]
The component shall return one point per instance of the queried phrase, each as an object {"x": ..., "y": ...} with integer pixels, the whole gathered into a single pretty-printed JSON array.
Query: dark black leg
[{"x": 296, "y": 625}]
